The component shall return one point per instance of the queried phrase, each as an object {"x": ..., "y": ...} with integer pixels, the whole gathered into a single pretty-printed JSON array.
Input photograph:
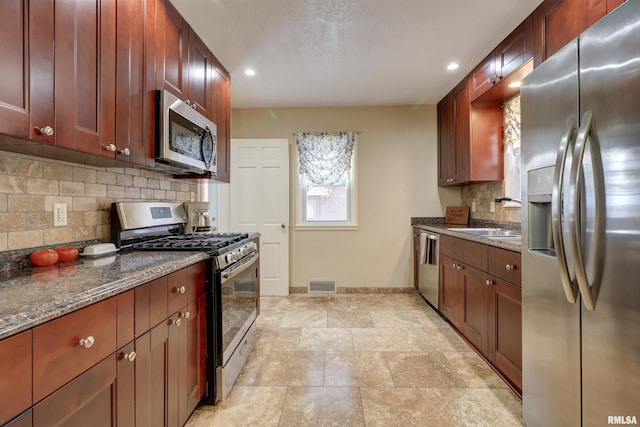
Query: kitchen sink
[{"x": 489, "y": 232}]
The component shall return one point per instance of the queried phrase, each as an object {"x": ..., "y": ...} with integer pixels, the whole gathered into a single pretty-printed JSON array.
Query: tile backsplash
[
  {"x": 29, "y": 186},
  {"x": 484, "y": 193}
]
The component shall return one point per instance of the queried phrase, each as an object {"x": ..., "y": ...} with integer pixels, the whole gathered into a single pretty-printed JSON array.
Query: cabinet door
[
  {"x": 15, "y": 387},
  {"x": 223, "y": 121},
  {"x": 461, "y": 132},
  {"x": 171, "y": 43},
  {"x": 130, "y": 75},
  {"x": 85, "y": 64},
  {"x": 505, "y": 329},
  {"x": 151, "y": 376},
  {"x": 195, "y": 357},
  {"x": 557, "y": 22},
  {"x": 515, "y": 49},
  {"x": 14, "y": 68},
  {"x": 446, "y": 151},
  {"x": 125, "y": 371},
  {"x": 200, "y": 80},
  {"x": 91, "y": 396},
  {"x": 451, "y": 291},
  {"x": 475, "y": 307},
  {"x": 484, "y": 76}
]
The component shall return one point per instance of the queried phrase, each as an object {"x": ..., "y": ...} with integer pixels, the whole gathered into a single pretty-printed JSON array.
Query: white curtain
[{"x": 325, "y": 157}]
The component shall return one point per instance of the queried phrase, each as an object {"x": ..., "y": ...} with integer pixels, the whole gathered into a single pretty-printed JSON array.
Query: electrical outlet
[
  {"x": 473, "y": 206},
  {"x": 492, "y": 207},
  {"x": 59, "y": 214},
  {"x": 192, "y": 197}
]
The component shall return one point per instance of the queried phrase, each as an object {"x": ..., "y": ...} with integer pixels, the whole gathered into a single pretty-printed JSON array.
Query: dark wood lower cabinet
[
  {"x": 505, "y": 329},
  {"x": 15, "y": 387},
  {"x": 24, "y": 420},
  {"x": 474, "y": 325},
  {"x": 125, "y": 387},
  {"x": 451, "y": 291},
  {"x": 90, "y": 399},
  {"x": 484, "y": 304}
]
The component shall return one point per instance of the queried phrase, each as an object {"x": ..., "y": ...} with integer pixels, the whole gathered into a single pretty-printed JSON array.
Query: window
[
  {"x": 326, "y": 190},
  {"x": 512, "y": 142}
]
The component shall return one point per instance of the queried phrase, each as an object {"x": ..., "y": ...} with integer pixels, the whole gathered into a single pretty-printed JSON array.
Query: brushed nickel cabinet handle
[
  {"x": 87, "y": 342},
  {"x": 510, "y": 267},
  {"x": 186, "y": 315},
  {"x": 125, "y": 151},
  {"x": 177, "y": 322},
  {"x": 47, "y": 130},
  {"x": 129, "y": 356},
  {"x": 180, "y": 290}
]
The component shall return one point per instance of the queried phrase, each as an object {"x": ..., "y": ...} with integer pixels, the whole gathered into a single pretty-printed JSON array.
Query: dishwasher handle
[{"x": 429, "y": 248}]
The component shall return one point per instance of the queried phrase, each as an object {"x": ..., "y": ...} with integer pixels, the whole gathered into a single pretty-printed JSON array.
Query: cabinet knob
[
  {"x": 194, "y": 106},
  {"x": 87, "y": 342},
  {"x": 110, "y": 147},
  {"x": 47, "y": 130},
  {"x": 489, "y": 282},
  {"x": 124, "y": 151},
  {"x": 177, "y": 322},
  {"x": 129, "y": 356},
  {"x": 180, "y": 290},
  {"x": 186, "y": 315},
  {"x": 187, "y": 102},
  {"x": 459, "y": 267},
  {"x": 454, "y": 265},
  {"x": 510, "y": 267}
]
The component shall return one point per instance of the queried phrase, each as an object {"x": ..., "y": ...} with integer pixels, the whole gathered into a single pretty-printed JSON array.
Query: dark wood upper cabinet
[
  {"x": 469, "y": 139},
  {"x": 130, "y": 81},
  {"x": 172, "y": 38},
  {"x": 201, "y": 90},
  {"x": 557, "y": 22},
  {"x": 223, "y": 121},
  {"x": 514, "y": 51},
  {"x": 14, "y": 68},
  {"x": 84, "y": 75}
]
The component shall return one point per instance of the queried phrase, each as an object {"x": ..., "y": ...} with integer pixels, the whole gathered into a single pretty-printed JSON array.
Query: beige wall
[
  {"x": 29, "y": 186},
  {"x": 397, "y": 173}
]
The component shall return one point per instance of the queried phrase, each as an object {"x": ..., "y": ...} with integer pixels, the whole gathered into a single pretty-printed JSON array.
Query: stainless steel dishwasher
[{"x": 428, "y": 267}]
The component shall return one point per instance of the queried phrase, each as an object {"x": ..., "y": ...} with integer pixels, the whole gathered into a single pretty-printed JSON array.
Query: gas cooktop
[{"x": 195, "y": 242}]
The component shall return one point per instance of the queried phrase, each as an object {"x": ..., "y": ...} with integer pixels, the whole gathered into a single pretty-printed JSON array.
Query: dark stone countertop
[
  {"x": 33, "y": 296},
  {"x": 437, "y": 225}
]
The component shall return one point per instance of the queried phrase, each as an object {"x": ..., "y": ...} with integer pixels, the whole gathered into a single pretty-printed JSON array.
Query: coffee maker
[{"x": 198, "y": 215}]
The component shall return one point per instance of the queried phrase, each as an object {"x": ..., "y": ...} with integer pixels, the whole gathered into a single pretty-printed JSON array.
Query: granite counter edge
[
  {"x": 26, "y": 320},
  {"x": 441, "y": 229}
]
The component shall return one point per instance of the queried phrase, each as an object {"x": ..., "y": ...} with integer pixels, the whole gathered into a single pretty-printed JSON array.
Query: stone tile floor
[{"x": 361, "y": 360}]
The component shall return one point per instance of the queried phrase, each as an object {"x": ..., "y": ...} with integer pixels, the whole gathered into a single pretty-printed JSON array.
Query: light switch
[{"x": 492, "y": 207}]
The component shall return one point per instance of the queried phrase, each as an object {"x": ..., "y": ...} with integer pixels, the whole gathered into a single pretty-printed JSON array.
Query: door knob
[{"x": 283, "y": 226}]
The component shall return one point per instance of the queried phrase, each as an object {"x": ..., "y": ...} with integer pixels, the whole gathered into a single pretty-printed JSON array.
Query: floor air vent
[{"x": 322, "y": 286}]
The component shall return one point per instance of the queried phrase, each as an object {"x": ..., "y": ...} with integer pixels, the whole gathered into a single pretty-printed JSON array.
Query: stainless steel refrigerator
[{"x": 581, "y": 229}]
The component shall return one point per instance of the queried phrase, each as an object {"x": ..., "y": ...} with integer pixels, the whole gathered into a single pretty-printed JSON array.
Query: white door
[{"x": 259, "y": 201}]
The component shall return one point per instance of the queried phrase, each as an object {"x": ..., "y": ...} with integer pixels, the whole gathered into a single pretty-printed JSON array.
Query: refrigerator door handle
[
  {"x": 588, "y": 288},
  {"x": 567, "y": 141}
]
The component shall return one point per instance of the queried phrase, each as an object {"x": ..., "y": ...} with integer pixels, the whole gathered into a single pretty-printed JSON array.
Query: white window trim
[{"x": 327, "y": 225}]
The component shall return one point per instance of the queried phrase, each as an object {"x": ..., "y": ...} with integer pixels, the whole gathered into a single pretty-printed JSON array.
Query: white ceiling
[{"x": 349, "y": 52}]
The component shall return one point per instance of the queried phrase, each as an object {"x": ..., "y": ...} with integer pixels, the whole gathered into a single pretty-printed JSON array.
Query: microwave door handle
[
  {"x": 588, "y": 289},
  {"x": 233, "y": 272},
  {"x": 566, "y": 144}
]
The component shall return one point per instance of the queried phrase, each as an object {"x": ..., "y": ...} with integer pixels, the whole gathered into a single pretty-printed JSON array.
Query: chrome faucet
[{"x": 508, "y": 199}]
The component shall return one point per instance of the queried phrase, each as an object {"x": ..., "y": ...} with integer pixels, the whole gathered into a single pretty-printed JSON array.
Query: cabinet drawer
[
  {"x": 15, "y": 387},
  {"x": 472, "y": 254},
  {"x": 447, "y": 245},
  {"x": 177, "y": 286},
  {"x": 59, "y": 356},
  {"x": 505, "y": 265}
]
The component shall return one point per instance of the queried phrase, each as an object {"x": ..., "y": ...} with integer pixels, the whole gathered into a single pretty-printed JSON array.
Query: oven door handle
[{"x": 231, "y": 273}]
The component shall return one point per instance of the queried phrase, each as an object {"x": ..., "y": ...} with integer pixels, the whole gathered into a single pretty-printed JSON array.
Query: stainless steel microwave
[{"x": 186, "y": 141}]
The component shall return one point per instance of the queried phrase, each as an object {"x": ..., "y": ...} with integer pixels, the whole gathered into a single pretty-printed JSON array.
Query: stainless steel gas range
[{"x": 233, "y": 280}]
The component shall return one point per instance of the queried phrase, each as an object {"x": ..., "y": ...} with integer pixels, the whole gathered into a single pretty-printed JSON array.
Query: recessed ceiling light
[
  {"x": 249, "y": 72},
  {"x": 452, "y": 66},
  {"x": 514, "y": 84}
]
